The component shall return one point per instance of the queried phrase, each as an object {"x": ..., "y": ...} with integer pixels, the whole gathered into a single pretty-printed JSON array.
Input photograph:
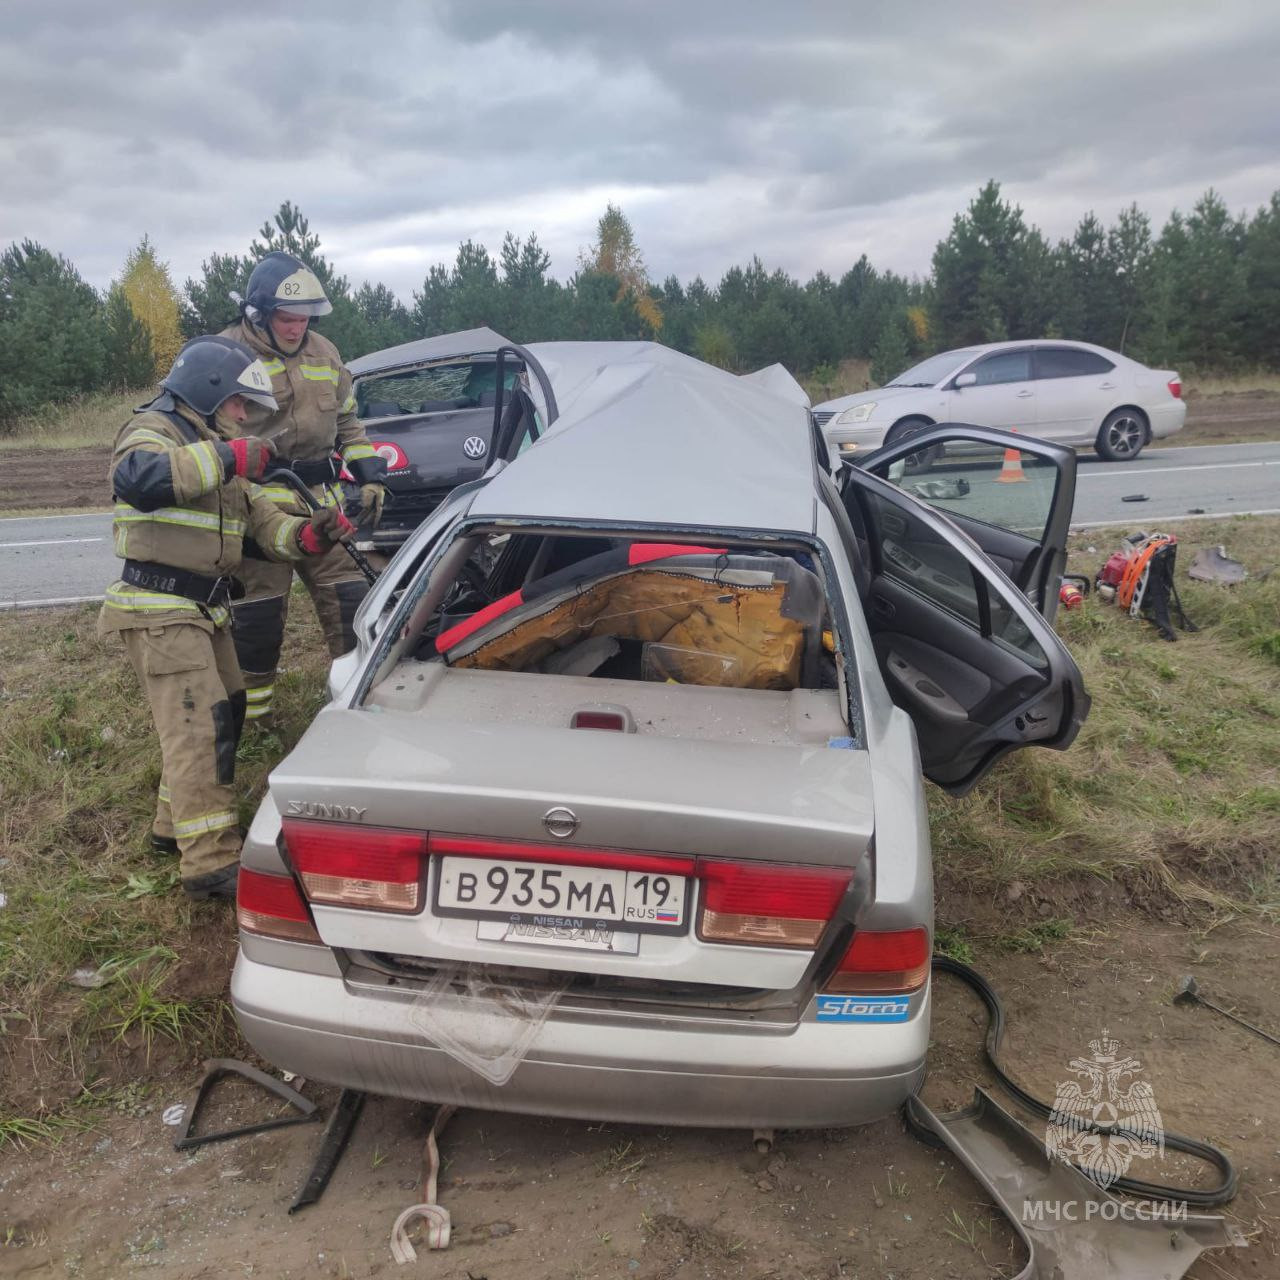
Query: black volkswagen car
[{"x": 432, "y": 408}]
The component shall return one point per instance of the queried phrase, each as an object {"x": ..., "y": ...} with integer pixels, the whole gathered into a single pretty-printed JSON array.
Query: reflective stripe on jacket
[
  {"x": 317, "y": 407},
  {"x": 175, "y": 505}
]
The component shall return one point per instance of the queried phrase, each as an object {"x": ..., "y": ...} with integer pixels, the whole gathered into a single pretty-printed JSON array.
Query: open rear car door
[{"x": 962, "y": 648}]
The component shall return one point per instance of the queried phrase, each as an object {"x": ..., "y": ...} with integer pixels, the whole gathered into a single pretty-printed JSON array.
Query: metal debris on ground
[
  {"x": 1212, "y": 564},
  {"x": 333, "y": 1142},
  {"x": 1073, "y": 1230},
  {"x": 438, "y": 1222},
  {"x": 214, "y": 1070},
  {"x": 1189, "y": 993},
  {"x": 1135, "y": 497}
]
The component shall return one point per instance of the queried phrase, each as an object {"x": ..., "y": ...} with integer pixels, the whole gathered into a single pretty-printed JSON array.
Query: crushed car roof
[
  {"x": 467, "y": 342},
  {"x": 651, "y": 436}
]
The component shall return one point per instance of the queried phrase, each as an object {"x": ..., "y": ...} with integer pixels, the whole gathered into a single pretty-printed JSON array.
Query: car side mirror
[{"x": 965, "y": 380}]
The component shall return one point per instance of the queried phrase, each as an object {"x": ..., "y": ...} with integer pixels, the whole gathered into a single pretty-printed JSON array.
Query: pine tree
[
  {"x": 891, "y": 354},
  {"x": 51, "y": 330},
  {"x": 152, "y": 298},
  {"x": 207, "y": 305},
  {"x": 130, "y": 360}
]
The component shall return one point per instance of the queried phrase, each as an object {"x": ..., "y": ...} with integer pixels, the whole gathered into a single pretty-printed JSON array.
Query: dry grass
[
  {"x": 78, "y": 770},
  {"x": 1174, "y": 781},
  {"x": 1231, "y": 384},
  {"x": 77, "y": 424},
  {"x": 827, "y": 383}
]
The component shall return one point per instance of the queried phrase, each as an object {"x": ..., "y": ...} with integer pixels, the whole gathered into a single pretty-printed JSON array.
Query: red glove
[
  {"x": 327, "y": 528},
  {"x": 251, "y": 455}
]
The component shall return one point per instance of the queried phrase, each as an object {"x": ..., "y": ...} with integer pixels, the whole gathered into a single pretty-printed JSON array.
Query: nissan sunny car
[
  {"x": 617, "y": 809},
  {"x": 1071, "y": 392}
]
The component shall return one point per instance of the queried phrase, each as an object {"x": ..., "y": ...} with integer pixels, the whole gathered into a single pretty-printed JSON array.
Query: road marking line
[
  {"x": 42, "y": 604},
  {"x": 51, "y": 542},
  {"x": 1168, "y": 471},
  {"x": 1205, "y": 515}
]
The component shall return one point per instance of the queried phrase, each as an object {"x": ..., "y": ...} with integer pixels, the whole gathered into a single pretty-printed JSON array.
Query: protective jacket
[
  {"x": 317, "y": 413},
  {"x": 180, "y": 505}
]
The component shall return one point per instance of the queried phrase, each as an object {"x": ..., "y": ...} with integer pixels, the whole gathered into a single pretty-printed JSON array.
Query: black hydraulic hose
[{"x": 1206, "y": 1198}]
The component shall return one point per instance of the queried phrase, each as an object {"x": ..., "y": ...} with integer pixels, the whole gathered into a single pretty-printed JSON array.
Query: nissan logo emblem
[
  {"x": 474, "y": 446},
  {"x": 560, "y": 822}
]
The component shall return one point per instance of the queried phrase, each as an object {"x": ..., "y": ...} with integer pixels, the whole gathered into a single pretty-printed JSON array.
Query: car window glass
[
  {"x": 930, "y": 371},
  {"x": 1066, "y": 362},
  {"x": 466, "y": 385},
  {"x": 920, "y": 558},
  {"x": 1007, "y": 488},
  {"x": 1004, "y": 366}
]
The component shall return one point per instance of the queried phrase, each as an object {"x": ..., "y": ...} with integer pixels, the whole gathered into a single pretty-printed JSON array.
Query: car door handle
[
  {"x": 884, "y": 608},
  {"x": 1025, "y": 395},
  {"x": 1106, "y": 386}
]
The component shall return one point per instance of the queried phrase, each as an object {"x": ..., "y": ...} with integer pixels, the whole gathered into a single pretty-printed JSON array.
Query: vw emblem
[
  {"x": 474, "y": 446},
  {"x": 560, "y": 822}
]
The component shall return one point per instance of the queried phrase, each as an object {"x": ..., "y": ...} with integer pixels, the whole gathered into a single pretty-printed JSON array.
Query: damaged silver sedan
[{"x": 617, "y": 809}]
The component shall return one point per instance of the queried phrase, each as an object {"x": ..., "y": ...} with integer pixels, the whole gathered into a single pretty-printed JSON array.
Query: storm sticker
[{"x": 863, "y": 1008}]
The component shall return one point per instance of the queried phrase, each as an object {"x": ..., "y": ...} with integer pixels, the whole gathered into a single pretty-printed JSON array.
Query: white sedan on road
[{"x": 1070, "y": 392}]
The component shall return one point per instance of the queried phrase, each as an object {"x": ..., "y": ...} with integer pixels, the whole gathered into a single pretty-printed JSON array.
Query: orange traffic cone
[{"x": 1011, "y": 472}]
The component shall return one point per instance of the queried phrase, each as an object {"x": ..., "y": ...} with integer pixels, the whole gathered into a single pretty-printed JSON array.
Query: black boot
[{"x": 219, "y": 884}]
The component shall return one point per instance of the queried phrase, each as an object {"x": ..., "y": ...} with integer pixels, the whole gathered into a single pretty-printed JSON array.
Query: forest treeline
[{"x": 1201, "y": 294}]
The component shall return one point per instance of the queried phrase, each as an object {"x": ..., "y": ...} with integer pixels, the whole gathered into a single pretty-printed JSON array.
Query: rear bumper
[
  {"x": 1166, "y": 419},
  {"x": 640, "y": 1069}
]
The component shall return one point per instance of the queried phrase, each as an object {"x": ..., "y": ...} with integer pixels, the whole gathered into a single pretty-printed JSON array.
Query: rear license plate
[{"x": 562, "y": 896}]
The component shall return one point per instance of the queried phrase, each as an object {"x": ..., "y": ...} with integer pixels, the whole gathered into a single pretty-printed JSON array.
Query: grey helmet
[
  {"x": 209, "y": 371},
  {"x": 281, "y": 282}
]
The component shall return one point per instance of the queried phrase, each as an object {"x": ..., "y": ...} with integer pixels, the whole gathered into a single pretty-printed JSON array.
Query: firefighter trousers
[
  {"x": 258, "y": 619},
  {"x": 193, "y": 684}
]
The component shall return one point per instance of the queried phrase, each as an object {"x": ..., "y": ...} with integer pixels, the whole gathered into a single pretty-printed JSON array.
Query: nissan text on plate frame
[
  {"x": 1071, "y": 392},
  {"x": 633, "y": 744}
]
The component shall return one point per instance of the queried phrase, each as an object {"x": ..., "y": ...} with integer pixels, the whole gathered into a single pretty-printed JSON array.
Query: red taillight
[
  {"x": 885, "y": 960},
  {"x": 272, "y": 905},
  {"x": 1175, "y": 388},
  {"x": 771, "y": 904},
  {"x": 346, "y": 866}
]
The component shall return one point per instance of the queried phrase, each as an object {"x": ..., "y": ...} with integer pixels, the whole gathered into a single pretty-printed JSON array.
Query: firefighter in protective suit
[
  {"x": 186, "y": 511},
  {"x": 315, "y": 419}
]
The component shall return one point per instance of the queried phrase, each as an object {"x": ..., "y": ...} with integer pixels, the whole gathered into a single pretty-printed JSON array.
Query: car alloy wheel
[{"x": 1122, "y": 436}]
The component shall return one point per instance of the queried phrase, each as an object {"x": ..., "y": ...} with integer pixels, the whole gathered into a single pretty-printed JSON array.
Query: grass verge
[
  {"x": 1171, "y": 792},
  {"x": 75, "y": 424},
  {"x": 107, "y": 972}
]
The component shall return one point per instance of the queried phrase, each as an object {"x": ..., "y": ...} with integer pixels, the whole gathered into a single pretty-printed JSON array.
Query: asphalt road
[{"x": 47, "y": 560}]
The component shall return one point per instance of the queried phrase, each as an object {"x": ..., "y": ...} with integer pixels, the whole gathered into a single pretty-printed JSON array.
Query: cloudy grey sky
[{"x": 807, "y": 132}]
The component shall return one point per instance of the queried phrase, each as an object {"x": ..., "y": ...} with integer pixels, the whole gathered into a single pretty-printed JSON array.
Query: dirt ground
[
  {"x": 536, "y": 1198},
  {"x": 78, "y": 482}
]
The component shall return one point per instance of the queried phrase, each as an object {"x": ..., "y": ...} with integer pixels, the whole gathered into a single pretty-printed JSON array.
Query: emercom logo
[{"x": 1106, "y": 1117}]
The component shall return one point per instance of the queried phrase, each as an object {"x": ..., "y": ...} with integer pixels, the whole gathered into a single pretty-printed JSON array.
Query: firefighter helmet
[
  {"x": 281, "y": 282},
  {"x": 209, "y": 371}
]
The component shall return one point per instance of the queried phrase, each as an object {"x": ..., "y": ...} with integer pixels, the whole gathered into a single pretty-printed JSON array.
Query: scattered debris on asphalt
[{"x": 1135, "y": 497}]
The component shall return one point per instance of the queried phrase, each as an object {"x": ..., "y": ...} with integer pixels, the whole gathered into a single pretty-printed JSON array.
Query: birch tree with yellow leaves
[{"x": 153, "y": 299}]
